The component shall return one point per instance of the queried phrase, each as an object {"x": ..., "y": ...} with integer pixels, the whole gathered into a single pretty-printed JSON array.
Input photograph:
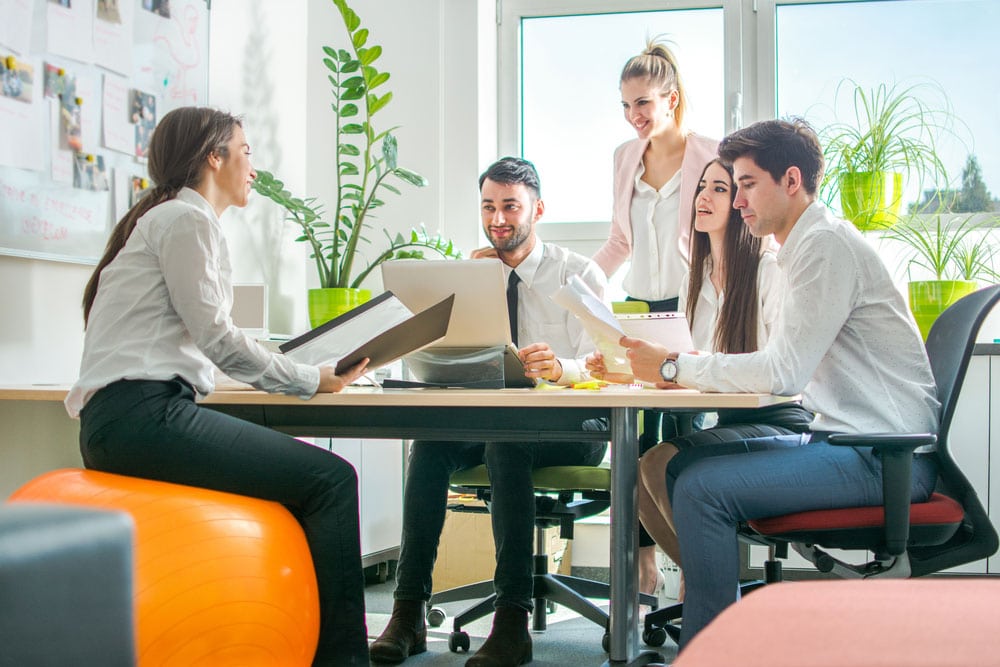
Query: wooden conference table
[{"x": 544, "y": 415}]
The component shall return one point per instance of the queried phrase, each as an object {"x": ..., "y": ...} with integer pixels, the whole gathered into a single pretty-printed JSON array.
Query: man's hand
[
  {"x": 489, "y": 252},
  {"x": 540, "y": 362},
  {"x": 331, "y": 383},
  {"x": 645, "y": 358},
  {"x": 597, "y": 369}
]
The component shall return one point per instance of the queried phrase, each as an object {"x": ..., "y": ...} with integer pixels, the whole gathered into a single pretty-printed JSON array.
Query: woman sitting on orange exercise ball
[{"x": 156, "y": 312}]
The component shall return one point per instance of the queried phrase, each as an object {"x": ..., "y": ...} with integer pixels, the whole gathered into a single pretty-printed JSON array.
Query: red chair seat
[{"x": 940, "y": 516}]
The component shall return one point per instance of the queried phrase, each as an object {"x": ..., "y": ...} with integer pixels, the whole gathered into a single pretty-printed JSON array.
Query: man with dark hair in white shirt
[
  {"x": 845, "y": 340},
  {"x": 552, "y": 346}
]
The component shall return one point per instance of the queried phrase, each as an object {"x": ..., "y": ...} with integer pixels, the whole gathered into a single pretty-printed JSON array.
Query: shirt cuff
[
  {"x": 688, "y": 366},
  {"x": 309, "y": 383},
  {"x": 573, "y": 371}
]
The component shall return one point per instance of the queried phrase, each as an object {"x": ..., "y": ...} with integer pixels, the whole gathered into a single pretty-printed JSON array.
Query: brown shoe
[
  {"x": 509, "y": 643},
  {"x": 405, "y": 635}
]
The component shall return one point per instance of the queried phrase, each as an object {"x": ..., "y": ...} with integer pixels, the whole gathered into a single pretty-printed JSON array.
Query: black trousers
[
  {"x": 155, "y": 430},
  {"x": 512, "y": 511}
]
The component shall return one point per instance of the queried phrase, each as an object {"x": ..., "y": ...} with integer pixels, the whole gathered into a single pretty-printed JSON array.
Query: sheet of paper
[
  {"x": 598, "y": 321},
  {"x": 332, "y": 346},
  {"x": 23, "y": 119},
  {"x": 113, "y": 36},
  {"x": 15, "y": 28},
  {"x": 65, "y": 24},
  {"x": 118, "y": 131}
]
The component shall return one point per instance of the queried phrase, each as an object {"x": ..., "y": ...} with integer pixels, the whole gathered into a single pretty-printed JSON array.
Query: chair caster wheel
[
  {"x": 606, "y": 642},
  {"x": 458, "y": 641},
  {"x": 436, "y": 617},
  {"x": 654, "y": 637}
]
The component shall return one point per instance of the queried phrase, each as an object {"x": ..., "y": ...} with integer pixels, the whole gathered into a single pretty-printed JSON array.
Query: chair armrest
[
  {"x": 883, "y": 442},
  {"x": 896, "y": 452}
]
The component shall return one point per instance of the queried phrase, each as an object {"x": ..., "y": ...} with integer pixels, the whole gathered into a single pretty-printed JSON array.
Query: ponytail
[
  {"x": 180, "y": 144},
  {"x": 658, "y": 64}
]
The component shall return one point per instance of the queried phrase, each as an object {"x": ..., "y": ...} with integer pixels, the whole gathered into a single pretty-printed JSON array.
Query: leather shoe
[
  {"x": 405, "y": 635},
  {"x": 509, "y": 643}
]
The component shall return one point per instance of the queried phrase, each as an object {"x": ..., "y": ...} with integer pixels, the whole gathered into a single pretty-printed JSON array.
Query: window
[
  {"x": 742, "y": 60},
  {"x": 571, "y": 113},
  {"x": 945, "y": 47}
]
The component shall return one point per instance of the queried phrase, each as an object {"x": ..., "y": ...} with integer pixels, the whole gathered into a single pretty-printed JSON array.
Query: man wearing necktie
[{"x": 553, "y": 348}]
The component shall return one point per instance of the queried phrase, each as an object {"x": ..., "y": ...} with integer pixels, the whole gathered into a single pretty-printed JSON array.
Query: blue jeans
[
  {"x": 715, "y": 487},
  {"x": 512, "y": 510}
]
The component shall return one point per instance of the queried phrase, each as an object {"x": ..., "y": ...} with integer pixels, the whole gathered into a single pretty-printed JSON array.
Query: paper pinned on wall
[{"x": 15, "y": 29}]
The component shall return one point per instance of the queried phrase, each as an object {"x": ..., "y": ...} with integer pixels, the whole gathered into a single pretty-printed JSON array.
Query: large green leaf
[
  {"x": 353, "y": 128},
  {"x": 410, "y": 176},
  {"x": 360, "y": 37},
  {"x": 349, "y": 149},
  {"x": 390, "y": 151},
  {"x": 370, "y": 55},
  {"x": 378, "y": 102}
]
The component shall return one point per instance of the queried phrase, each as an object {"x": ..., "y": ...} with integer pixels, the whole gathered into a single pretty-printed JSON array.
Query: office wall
[{"x": 265, "y": 63}]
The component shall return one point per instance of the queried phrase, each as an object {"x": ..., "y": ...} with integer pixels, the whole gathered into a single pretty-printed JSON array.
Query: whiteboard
[{"x": 84, "y": 82}]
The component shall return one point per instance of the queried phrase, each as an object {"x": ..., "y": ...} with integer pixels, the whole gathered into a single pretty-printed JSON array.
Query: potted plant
[
  {"x": 891, "y": 138},
  {"x": 957, "y": 251},
  {"x": 367, "y": 168}
]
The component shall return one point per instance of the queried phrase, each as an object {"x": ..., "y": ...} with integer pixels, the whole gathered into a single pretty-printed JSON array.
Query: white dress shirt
[
  {"x": 162, "y": 311},
  {"x": 845, "y": 339},
  {"x": 540, "y": 320},
  {"x": 770, "y": 291},
  {"x": 657, "y": 266}
]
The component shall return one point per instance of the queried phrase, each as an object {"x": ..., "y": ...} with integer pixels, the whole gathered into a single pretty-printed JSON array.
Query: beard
[{"x": 512, "y": 242}]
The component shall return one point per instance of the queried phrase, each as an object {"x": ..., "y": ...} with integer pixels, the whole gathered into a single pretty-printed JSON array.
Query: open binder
[{"x": 383, "y": 329}]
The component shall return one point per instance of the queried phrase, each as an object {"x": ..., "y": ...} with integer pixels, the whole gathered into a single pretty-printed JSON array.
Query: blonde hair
[{"x": 658, "y": 64}]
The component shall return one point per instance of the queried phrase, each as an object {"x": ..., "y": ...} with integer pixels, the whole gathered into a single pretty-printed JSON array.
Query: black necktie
[{"x": 512, "y": 282}]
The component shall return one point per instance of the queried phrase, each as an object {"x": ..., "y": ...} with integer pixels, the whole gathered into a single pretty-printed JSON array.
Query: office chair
[
  {"x": 906, "y": 539},
  {"x": 563, "y": 494}
]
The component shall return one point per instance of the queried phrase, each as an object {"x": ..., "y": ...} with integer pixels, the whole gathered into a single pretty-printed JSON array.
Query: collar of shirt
[
  {"x": 812, "y": 215},
  {"x": 645, "y": 189},
  {"x": 528, "y": 267},
  {"x": 193, "y": 197}
]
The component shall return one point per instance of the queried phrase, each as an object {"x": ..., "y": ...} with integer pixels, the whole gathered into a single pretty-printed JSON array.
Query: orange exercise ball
[{"x": 221, "y": 580}]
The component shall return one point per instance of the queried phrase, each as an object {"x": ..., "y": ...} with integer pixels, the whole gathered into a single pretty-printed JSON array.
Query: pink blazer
[{"x": 697, "y": 153}]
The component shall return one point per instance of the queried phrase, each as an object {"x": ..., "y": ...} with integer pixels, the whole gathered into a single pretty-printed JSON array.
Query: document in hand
[
  {"x": 382, "y": 329},
  {"x": 606, "y": 329},
  {"x": 598, "y": 320}
]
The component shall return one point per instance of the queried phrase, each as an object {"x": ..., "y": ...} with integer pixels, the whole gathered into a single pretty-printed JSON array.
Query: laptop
[{"x": 478, "y": 320}]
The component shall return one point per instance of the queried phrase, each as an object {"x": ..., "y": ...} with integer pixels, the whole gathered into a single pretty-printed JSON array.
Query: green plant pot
[
  {"x": 930, "y": 298},
  {"x": 326, "y": 303},
  {"x": 871, "y": 200}
]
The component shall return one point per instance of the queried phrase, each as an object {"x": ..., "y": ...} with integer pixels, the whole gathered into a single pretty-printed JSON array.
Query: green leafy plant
[
  {"x": 891, "y": 129},
  {"x": 950, "y": 248},
  {"x": 367, "y": 168},
  {"x": 890, "y": 137}
]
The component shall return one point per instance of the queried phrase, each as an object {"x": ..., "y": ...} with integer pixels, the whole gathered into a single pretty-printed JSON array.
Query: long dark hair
[
  {"x": 181, "y": 142},
  {"x": 736, "y": 330}
]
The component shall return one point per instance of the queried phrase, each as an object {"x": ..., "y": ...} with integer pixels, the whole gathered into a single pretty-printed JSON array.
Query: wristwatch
[{"x": 668, "y": 370}]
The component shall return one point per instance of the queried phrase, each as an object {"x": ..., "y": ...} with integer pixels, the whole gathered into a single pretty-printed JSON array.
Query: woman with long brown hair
[
  {"x": 732, "y": 297},
  {"x": 156, "y": 314}
]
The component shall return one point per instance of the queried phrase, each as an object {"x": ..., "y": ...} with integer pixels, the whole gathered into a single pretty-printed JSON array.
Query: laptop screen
[{"x": 479, "y": 317}]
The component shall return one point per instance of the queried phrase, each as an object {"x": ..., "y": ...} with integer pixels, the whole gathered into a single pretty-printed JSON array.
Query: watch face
[{"x": 668, "y": 370}]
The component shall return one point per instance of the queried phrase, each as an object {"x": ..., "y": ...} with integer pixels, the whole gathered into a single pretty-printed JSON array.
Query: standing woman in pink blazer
[{"x": 655, "y": 178}]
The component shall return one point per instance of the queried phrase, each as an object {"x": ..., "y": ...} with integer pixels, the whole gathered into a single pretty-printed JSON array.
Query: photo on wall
[
  {"x": 89, "y": 172},
  {"x": 18, "y": 79},
  {"x": 70, "y": 128},
  {"x": 107, "y": 10},
  {"x": 143, "y": 116},
  {"x": 161, "y": 7}
]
